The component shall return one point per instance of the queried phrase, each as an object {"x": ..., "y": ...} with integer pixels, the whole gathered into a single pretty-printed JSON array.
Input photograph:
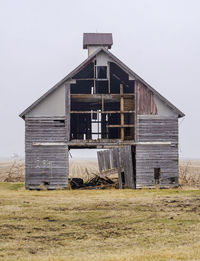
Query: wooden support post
[
  {"x": 136, "y": 109},
  {"x": 102, "y": 110},
  {"x": 108, "y": 75},
  {"x": 100, "y": 162},
  {"x": 67, "y": 110},
  {"x": 98, "y": 125},
  {"x": 102, "y": 103},
  {"x": 94, "y": 79},
  {"x": 116, "y": 157},
  {"x": 122, "y": 110}
]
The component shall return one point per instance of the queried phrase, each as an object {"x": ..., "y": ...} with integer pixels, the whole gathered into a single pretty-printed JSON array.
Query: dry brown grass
[
  {"x": 117, "y": 225},
  {"x": 189, "y": 172},
  {"x": 13, "y": 171}
]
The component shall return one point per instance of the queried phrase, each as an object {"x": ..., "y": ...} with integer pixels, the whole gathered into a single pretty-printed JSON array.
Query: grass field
[{"x": 99, "y": 225}]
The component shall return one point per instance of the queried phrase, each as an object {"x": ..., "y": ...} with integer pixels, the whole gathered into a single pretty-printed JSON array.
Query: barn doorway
[
  {"x": 84, "y": 171},
  {"x": 108, "y": 167}
]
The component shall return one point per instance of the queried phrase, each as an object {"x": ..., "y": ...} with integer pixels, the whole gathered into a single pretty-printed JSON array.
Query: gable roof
[
  {"x": 101, "y": 39},
  {"x": 120, "y": 63}
]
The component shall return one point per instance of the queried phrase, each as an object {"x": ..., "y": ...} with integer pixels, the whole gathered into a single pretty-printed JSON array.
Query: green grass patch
[{"x": 11, "y": 186}]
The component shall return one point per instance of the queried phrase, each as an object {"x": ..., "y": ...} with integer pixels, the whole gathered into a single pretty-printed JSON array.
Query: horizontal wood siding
[
  {"x": 165, "y": 157},
  {"x": 46, "y": 165},
  {"x": 157, "y": 128}
]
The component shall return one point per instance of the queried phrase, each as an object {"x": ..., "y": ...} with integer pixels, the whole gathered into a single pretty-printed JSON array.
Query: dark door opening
[{"x": 157, "y": 175}]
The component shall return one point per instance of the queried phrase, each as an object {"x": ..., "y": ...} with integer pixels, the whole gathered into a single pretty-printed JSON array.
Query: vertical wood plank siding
[
  {"x": 146, "y": 104},
  {"x": 46, "y": 165},
  {"x": 122, "y": 160},
  {"x": 165, "y": 157}
]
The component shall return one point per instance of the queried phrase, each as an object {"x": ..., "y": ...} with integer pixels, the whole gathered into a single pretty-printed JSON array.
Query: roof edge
[
  {"x": 180, "y": 113},
  {"x": 126, "y": 68},
  {"x": 66, "y": 78}
]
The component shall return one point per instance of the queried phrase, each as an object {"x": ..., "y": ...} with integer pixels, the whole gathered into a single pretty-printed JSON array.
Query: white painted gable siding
[{"x": 52, "y": 105}]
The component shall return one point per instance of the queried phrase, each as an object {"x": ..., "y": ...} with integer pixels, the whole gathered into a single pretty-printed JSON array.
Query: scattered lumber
[
  {"x": 76, "y": 183},
  {"x": 96, "y": 182}
]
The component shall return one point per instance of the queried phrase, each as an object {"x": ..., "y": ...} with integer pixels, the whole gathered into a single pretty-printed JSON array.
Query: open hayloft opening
[{"x": 102, "y": 103}]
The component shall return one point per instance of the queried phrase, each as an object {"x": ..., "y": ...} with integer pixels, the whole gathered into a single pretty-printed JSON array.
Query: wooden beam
[
  {"x": 116, "y": 155},
  {"x": 46, "y": 118},
  {"x": 154, "y": 143},
  {"x": 136, "y": 110},
  {"x": 102, "y": 103},
  {"x": 85, "y": 79},
  {"x": 122, "y": 110},
  {"x": 121, "y": 126},
  {"x": 108, "y": 96},
  {"x": 97, "y": 144},
  {"x": 103, "y": 143},
  {"x": 108, "y": 75},
  {"x": 82, "y": 112},
  {"x": 49, "y": 143}
]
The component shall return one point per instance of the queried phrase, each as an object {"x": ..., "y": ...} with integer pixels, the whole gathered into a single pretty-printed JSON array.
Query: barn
[{"x": 102, "y": 104}]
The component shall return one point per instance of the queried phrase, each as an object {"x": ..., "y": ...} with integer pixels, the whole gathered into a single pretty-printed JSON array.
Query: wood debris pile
[{"x": 96, "y": 182}]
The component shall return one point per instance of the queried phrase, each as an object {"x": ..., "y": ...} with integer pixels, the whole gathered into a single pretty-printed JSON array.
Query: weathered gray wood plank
[{"x": 46, "y": 164}]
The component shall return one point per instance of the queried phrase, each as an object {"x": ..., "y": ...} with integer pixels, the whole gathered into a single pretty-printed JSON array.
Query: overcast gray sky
[{"x": 41, "y": 42}]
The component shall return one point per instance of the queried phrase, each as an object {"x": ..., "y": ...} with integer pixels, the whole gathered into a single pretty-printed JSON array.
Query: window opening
[{"x": 101, "y": 72}]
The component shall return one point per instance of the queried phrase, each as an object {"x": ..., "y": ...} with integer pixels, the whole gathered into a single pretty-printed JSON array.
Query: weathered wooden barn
[{"x": 102, "y": 104}]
